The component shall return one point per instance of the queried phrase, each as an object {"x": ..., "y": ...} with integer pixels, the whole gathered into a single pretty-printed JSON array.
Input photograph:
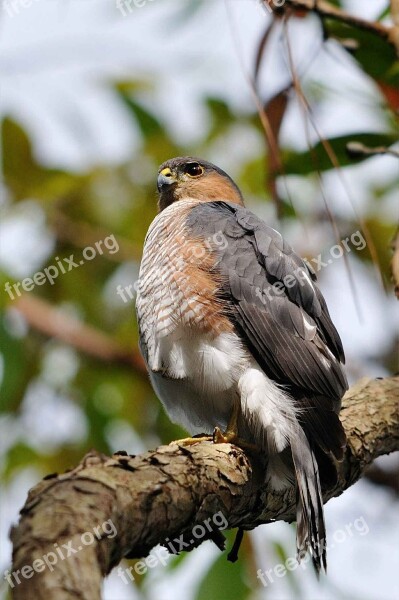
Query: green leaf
[
  {"x": 384, "y": 13},
  {"x": 22, "y": 173},
  {"x": 148, "y": 124},
  {"x": 304, "y": 163},
  {"x": 221, "y": 117},
  {"x": 224, "y": 580},
  {"x": 16, "y": 370},
  {"x": 280, "y": 552},
  {"x": 375, "y": 55},
  {"x": 283, "y": 556},
  {"x": 176, "y": 561},
  {"x": 382, "y": 233},
  {"x": 158, "y": 144},
  {"x": 19, "y": 457},
  {"x": 253, "y": 176}
]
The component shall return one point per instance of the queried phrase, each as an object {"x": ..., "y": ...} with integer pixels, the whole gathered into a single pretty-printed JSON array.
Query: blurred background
[{"x": 94, "y": 96}]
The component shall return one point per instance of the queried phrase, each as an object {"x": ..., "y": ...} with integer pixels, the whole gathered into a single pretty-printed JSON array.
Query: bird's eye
[{"x": 193, "y": 169}]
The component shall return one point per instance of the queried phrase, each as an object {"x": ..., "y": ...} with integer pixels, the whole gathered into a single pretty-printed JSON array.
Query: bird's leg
[
  {"x": 230, "y": 436},
  {"x": 231, "y": 433}
]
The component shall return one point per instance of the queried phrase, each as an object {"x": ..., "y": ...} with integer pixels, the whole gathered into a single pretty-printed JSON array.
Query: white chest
[{"x": 200, "y": 380}]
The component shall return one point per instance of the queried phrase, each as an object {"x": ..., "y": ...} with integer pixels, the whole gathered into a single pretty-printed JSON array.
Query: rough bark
[{"x": 159, "y": 495}]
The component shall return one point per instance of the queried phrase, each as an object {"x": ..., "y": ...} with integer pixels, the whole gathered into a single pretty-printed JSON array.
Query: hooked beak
[{"x": 166, "y": 178}]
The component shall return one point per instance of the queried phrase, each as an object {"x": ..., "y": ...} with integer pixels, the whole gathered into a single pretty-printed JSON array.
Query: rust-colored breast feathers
[{"x": 178, "y": 284}]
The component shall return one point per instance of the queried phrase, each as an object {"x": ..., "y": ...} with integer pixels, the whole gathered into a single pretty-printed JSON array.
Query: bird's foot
[
  {"x": 228, "y": 437},
  {"x": 231, "y": 437},
  {"x": 218, "y": 437}
]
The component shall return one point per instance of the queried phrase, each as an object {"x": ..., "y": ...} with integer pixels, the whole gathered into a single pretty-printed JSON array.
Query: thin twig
[
  {"x": 356, "y": 149},
  {"x": 82, "y": 234},
  {"x": 336, "y": 164},
  {"x": 395, "y": 263},
  {"x": 326, "y": 10},
  {"x": 307, "y": 117}
]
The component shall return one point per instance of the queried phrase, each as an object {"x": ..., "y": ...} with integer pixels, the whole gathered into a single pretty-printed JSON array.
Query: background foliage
[{"x": 59, "y": 399}]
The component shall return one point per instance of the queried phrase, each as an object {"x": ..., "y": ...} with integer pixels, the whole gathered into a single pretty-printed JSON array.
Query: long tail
[{"x": 311, "y": 532}]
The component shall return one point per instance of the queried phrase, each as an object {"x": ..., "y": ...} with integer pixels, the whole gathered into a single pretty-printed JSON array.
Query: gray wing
[{"x": 280, "y": 313}]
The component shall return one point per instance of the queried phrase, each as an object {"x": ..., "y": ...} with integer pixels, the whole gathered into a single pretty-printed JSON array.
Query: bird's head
[{"x": 185, "y": 177}]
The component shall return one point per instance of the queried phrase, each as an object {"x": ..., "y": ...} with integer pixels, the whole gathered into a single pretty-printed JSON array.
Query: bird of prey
[{"x": 237, "y": 336}]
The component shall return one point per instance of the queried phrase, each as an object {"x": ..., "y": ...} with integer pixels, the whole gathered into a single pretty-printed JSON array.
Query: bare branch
[
  {"x": 394, "y": 35},
  {"x": 326, "y": 10},
  {"x": 81, "y": 235},
  {"x": 357, "y": 150},
  {"x": 56, "y": 323},
  {"x": 395, "y": 262}
]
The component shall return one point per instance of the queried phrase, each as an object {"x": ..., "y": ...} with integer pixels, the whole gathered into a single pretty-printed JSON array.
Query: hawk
[{"x": 237, "y": 336}]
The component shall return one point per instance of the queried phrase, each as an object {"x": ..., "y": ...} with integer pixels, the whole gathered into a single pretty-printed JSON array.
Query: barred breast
[{"x": 177, "y": 295}]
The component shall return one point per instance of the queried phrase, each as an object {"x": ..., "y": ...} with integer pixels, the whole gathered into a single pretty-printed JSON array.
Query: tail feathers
[
  {"x": 323, "y": 426},
  {"x": 311, "y": 532}
]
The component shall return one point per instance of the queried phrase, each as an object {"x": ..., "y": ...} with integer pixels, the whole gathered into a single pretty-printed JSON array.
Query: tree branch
[
  {"x": 326, "y": 10},
  {"x": 56, "y": 323},
  {"x": 166, "y": 492},
  {"x": 395, "y": 262}
]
